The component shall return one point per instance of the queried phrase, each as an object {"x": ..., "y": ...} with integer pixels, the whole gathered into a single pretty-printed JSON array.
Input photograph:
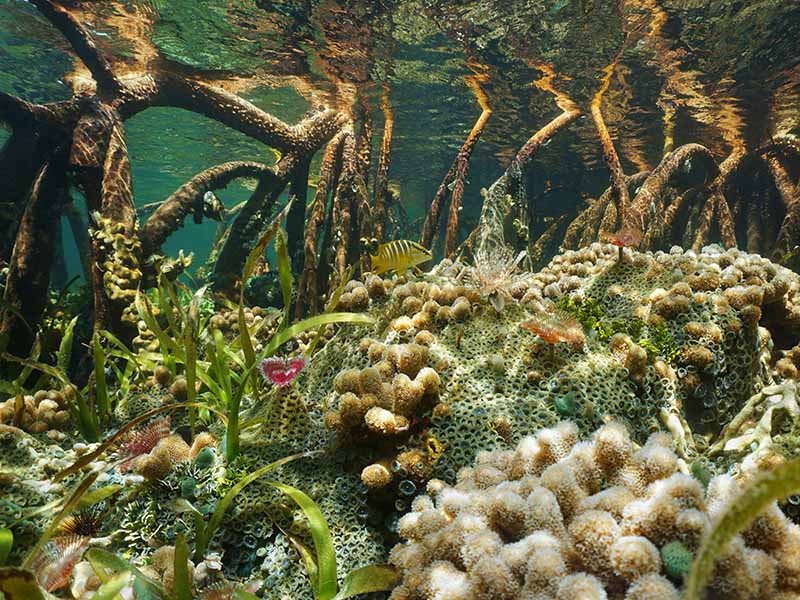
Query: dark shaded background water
[{"x": 727, "y": 74}]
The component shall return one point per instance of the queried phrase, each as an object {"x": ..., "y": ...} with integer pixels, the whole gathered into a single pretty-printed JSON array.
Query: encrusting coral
[
  {"x": 668, "y": 342},
  {"x": 383, "y": 401},
  {"x": 564, "y": 519}
]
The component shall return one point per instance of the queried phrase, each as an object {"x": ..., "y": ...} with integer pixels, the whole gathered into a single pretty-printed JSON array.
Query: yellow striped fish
[{"x": 398, "y": 256}]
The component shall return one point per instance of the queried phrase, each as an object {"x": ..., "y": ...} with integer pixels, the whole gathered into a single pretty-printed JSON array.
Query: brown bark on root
[
  {"x": 660, "y": 231},
  {"x": 455, "y": 176},
  {"x": 462, "y": 160},
  {"x": 789, "y": 234},
  {"x": 381, "y": 196},
  {"x": 21, "y": 158},
  {"x": 32, "y": 257},
  {"x": 248, "y": 224},
  {"x": 81, "y": 43},
  {"x": 585, "y": 228},
  {"x": 344, "y": 206},
  {"x": 620, "y": 194},
  {"x": 660, "y": 178},
  {"x": 91, "y": 126},
  {"x": 296, "y": 219},
  {"x": 537, "y": 250},
  {"x": 169, "y": 216},
  {"x": 716, "y": 205},
  {"x": 307, "y": 288},
  {"x": 495, "y": 210}
]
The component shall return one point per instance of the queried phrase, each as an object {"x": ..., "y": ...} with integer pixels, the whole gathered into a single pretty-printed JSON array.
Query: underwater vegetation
[
  {"x": 522, "y": 393},
  {"x": 426, "y": 387}
]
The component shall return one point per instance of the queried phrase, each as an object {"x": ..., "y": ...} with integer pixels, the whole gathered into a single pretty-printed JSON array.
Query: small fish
[
  {"x": 282, "y": 371},
  {"x": 788, "y": 256},
  {"x": 398, "y": 256},
  {"x": 652, "y": 210},
  {"x": 626, "y": 237},
  {"x": 556, "y": 327}
]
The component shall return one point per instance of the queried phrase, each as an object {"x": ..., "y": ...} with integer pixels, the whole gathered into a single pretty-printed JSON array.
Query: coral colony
[{"x": 376, "y": 380}]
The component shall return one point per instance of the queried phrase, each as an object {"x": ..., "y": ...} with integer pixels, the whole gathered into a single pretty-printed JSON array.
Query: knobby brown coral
[{"x": 564, "y": 519}]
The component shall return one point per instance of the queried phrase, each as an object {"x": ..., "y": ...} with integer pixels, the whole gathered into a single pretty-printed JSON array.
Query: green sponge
[{"x": 677, "y": 559}]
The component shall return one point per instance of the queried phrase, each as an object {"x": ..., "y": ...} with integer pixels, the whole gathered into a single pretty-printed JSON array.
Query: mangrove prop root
[
  {"x": 360, "y": 202},
  {"x": 496, "y": 205},
  {"x": 81, "y": 43},
  {"x": 434, "y": 210},
  {"x": 455, "y": 176},
  {"x": 462, "y": 160},
  {"x": 343, "y": 205},
  {"x": 296, "y": 219},
  {"x": 581, "y": 223},
  {"x": 451, "y": 235},
  {"x": 169, "y": 215},
  {"x": 381, "y": 197},
  {"x": 660, "y": 178},
  {"x": 90, "y": 124},
  {"x": 705, "y": 220},
  {"x": 537, "y": 250},
  {"x": 585, "y": 228},
  {"x": 717, "y": 206},
  {"x": 307, "y": 289},
  {"x": 31, "y": 260},
  {"x": 610, "y": 221},
  {"x": 620, "y": 194},
  {"x": 21, "y": 158},
  {"x": 753, "y": 228},
  {"x": 789, "y": 233},
  {"x": 364, "y": 137},
  {"x": 248, "y": 224},
  {"x": 658, "y": 231}
]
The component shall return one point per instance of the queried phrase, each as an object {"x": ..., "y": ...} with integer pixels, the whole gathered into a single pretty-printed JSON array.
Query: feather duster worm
[{"x": 282, "y": 371}]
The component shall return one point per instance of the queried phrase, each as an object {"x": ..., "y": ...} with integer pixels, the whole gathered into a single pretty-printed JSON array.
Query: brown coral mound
[{"x": 558, "y": 518}]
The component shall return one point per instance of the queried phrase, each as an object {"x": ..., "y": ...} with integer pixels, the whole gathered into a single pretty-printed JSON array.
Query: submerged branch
[
  {"x": 660, "y": 178},
  {"x": 496, "y": 205},
  {"x": 620, "y": 194},
  {"x": 451, "y": 235},
  {"x": 32, "y": 258},
  {"x": 307, "y": 289},
  {"x": 248, "y": 224},
  {"x": 169, "y": 215},
  {"x": 81, "y": 41},
  {"x": 380, "y": 201},
  {"x": 789, "y": 234},
  {"x": 245, "y": 117},
  {"x": 344, "y": 204}
]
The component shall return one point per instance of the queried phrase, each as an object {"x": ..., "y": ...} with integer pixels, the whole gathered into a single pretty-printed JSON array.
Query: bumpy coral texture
[
  {"x": 564, "y": 519},
  {"x": 497, "y": 384},
  {"x": 500, "y": 383}
]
